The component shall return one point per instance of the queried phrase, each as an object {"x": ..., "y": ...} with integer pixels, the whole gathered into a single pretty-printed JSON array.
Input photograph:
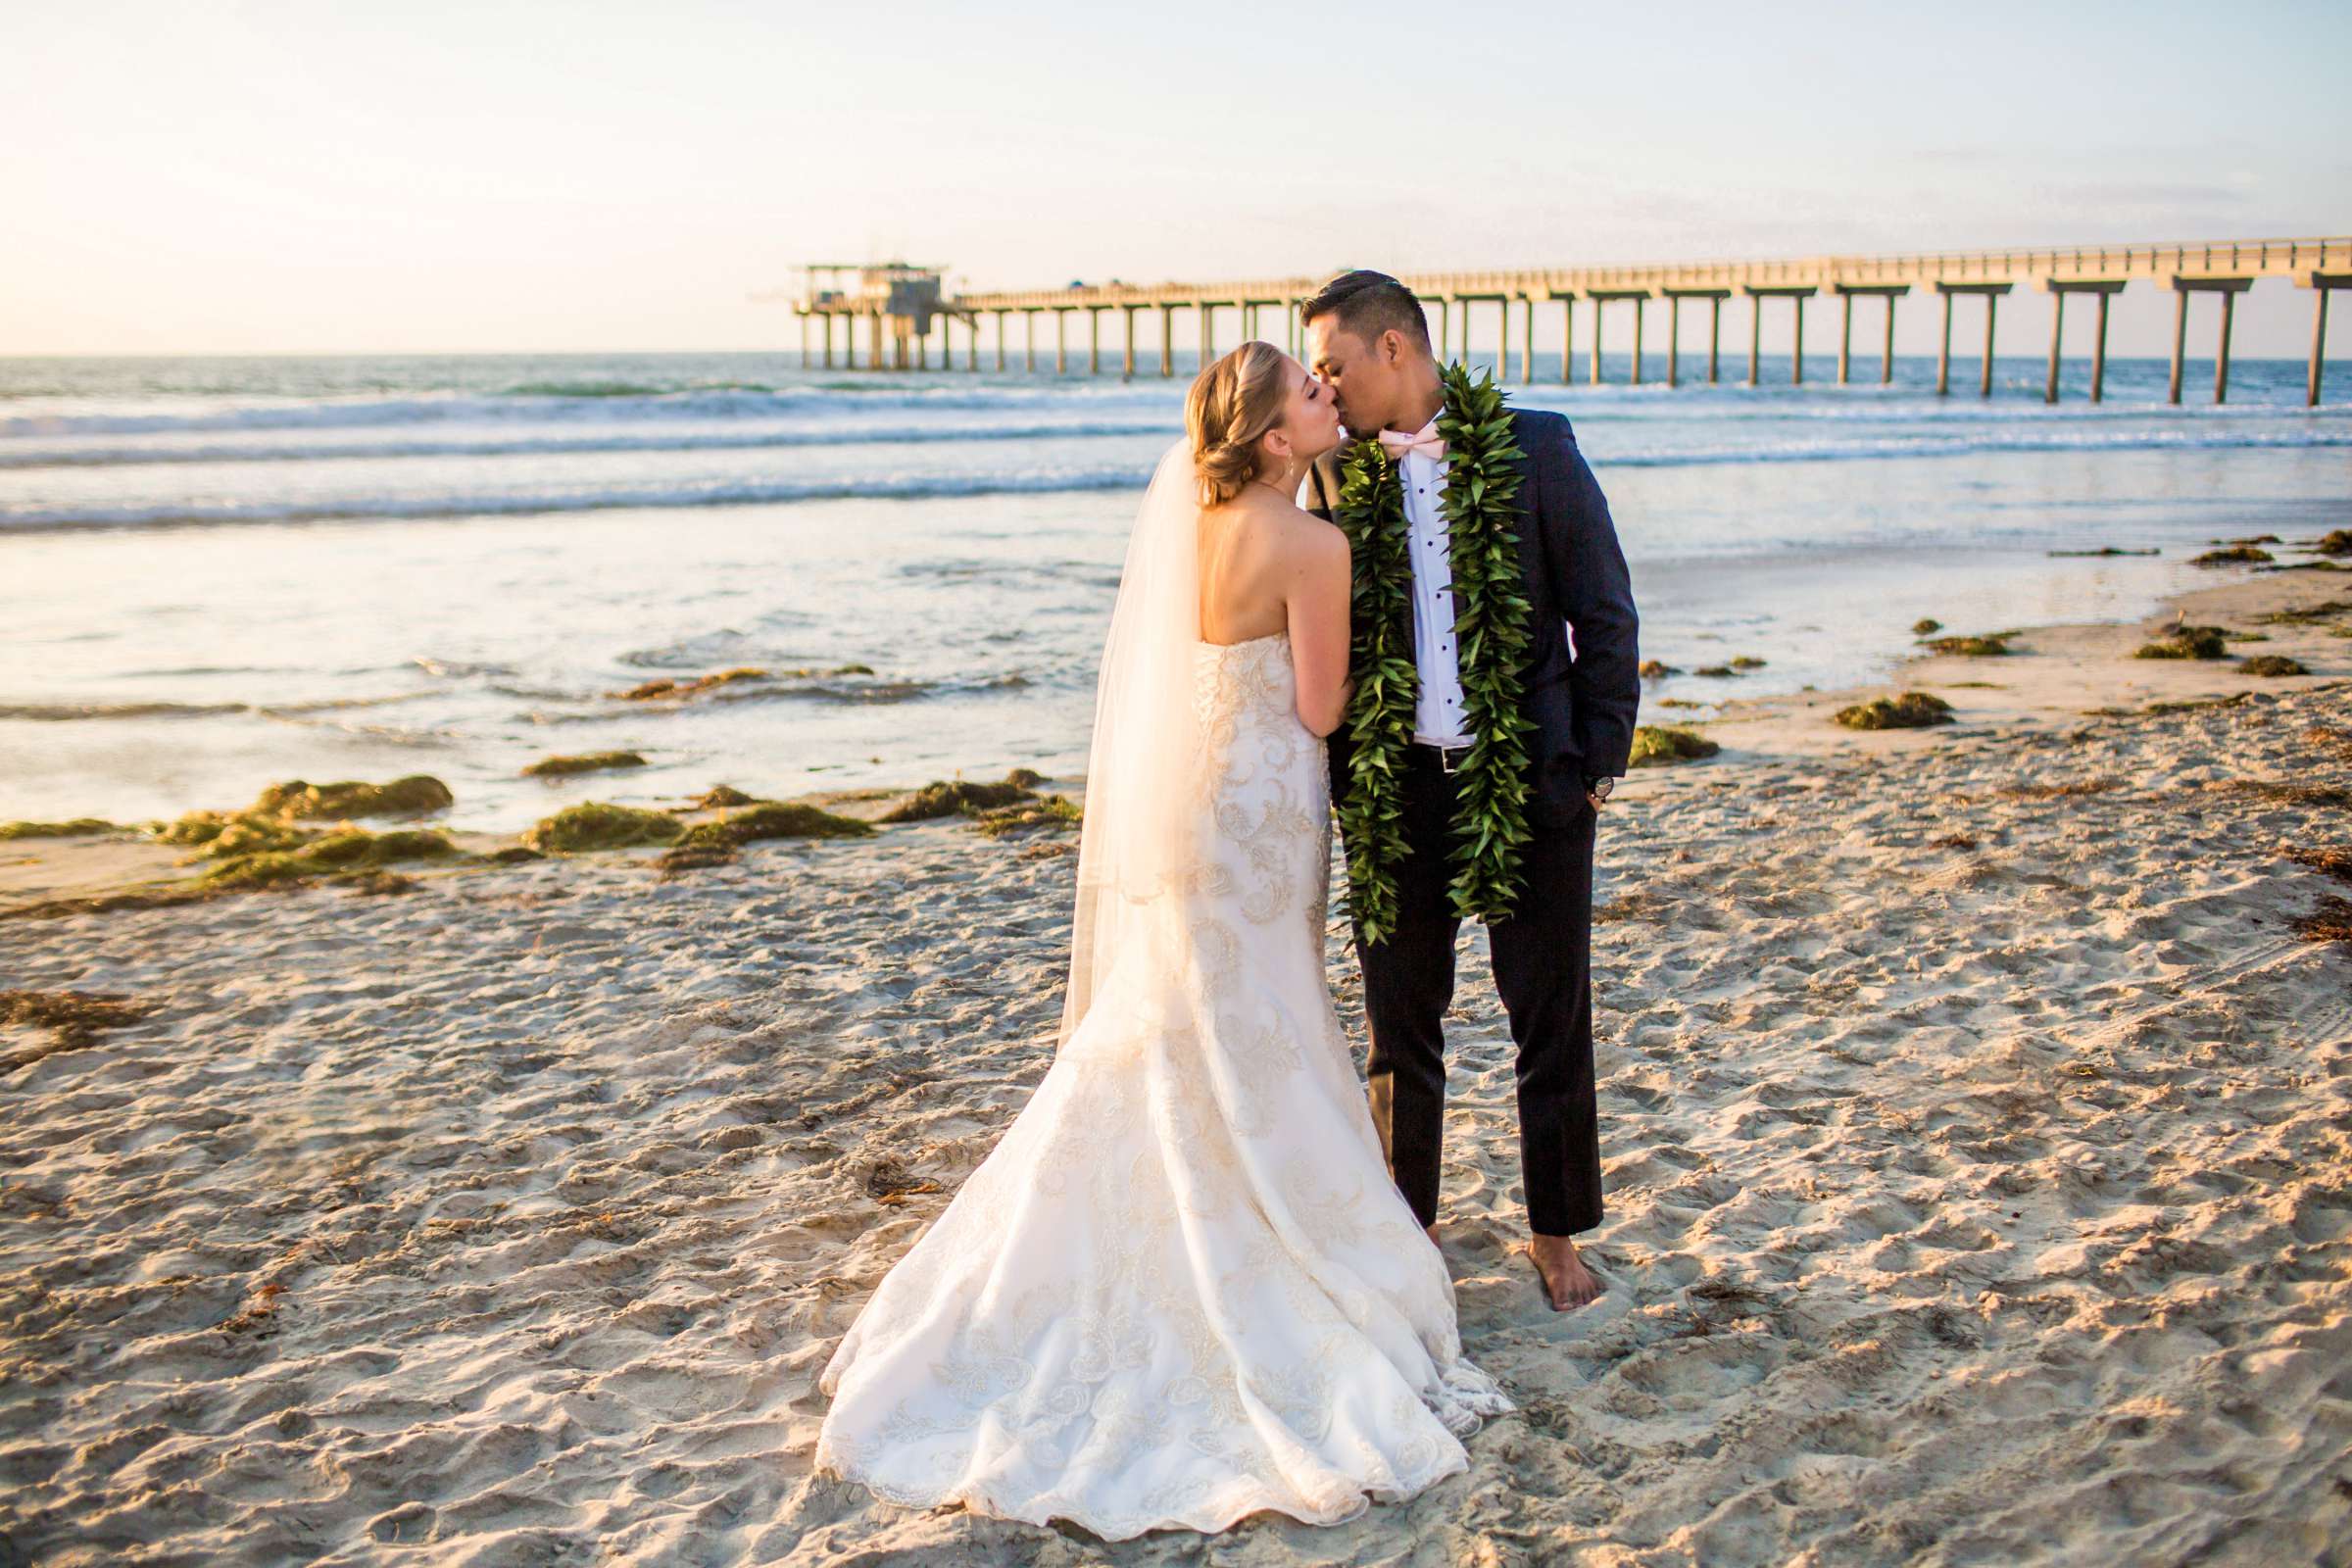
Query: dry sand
[{"x": 1975, "y": 1124}]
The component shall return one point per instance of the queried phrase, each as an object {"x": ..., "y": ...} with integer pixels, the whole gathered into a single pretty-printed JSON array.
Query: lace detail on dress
[{"x": 1182, "y": 1288}]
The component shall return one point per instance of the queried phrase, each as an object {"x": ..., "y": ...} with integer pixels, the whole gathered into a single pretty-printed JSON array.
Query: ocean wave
[
  {"x": 716, "y": 494},
  {"x": 66, "y": 712},
  {"x": 618, "y": 402},
  {"x": 492, "y": 446},
  {"x": 1075, "y": 478},
  {"x": 597, "y": 707},
  {"x": 2005, "y": 440}
]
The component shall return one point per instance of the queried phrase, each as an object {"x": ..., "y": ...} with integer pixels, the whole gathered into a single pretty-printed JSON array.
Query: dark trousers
[{"x": 1542, "y": 970}]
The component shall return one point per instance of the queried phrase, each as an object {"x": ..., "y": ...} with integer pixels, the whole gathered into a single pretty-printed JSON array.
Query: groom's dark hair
[{"x": 1368, "y": 303}]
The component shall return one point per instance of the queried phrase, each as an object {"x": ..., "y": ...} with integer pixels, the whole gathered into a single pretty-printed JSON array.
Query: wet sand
[{"x": 1973, "y": 1118}]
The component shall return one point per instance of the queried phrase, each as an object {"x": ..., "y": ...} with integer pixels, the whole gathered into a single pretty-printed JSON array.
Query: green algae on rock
[
  {"x": 953, "y": 797},
  {"x": 58, "y": 830},
  {"x": 1658, "y": 669},
  {"x": 1661, "y": 745},
  {"x": 2186, "y": 642},
  {"x": 773, "y": 819},
  {"x": 417, "y": 795},
  {"x": 1747, "y": 662},
  {"x": 2233, "y": 555},
  {"x": 1909, "y": 710},
  {"x": 585, "y": 762},
  {"x": 1926, "y": 626},
  {"x": 669, "y": 689},
  {"x": 345, "y": 852},
  {"x": 2334, "y": 542},
  {"x": 2307, "y": 615},
  {"x": 1990, "y": 644},
  {"x": 223, "y": 835},
  {"x": 1054, "y": 811},
  {"x": 652, "y": 690},
  {"x": 2272, "y": 664},
  {"x": 714, "y": 843},
  {"x": 596, "y": 825}
]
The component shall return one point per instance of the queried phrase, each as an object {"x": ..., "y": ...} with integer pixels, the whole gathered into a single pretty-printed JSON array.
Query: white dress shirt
[{"x": 1438, "y": 716}]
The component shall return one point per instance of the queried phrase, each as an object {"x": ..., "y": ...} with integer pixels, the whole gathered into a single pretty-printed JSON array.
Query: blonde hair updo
[{"x": 1232, "y": 403}]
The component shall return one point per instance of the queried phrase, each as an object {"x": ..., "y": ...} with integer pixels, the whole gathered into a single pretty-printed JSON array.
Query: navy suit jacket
[{"x": 1582, "y": 696}]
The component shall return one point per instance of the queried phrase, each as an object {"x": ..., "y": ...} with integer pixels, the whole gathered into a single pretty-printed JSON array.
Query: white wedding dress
[{"x": 1182, "y": 1288}]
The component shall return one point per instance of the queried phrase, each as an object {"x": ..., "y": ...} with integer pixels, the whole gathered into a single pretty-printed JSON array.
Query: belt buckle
[{"x": 1446, "y": 759}]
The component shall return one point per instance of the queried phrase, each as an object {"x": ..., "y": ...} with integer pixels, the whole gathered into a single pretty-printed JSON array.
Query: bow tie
[{"x": 1425, "y": 441}]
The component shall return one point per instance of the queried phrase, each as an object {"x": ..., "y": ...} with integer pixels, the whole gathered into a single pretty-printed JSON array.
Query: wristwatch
[{"x": 1599, "y": 788}]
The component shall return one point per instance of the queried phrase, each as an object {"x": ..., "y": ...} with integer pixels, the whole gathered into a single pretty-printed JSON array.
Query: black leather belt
[{"x": 1449, "y": 759}]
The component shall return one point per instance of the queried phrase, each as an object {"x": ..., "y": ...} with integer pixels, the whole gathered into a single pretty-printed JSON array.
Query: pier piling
[
  {"x": 1795, "y": 294},
  {"x": 1673, "y": 332},
  {"x": 1846, "y": 292},
  {"x": 2229, "y": 288},
  {"x": 2322, "y": 285},
  {"x": 1601, "y": 298},
  {"x": 2050, "y": 391},
  {"x": 2059, "y": 288}
]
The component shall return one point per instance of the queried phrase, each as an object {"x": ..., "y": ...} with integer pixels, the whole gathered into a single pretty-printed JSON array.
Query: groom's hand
[{"x": 1597, "y": 792}]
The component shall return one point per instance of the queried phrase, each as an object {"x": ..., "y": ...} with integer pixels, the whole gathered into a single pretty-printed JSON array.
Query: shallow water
[{"x": 214, "y": 573}]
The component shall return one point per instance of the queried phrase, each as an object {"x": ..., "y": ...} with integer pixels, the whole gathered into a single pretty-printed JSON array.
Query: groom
[{"x": 1367, "y": 338}]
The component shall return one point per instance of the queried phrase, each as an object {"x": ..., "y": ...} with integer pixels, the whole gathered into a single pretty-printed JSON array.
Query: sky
[{"x": 260, "y": 176}]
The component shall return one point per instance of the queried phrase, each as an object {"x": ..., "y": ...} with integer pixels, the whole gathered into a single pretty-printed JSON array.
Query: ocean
[{"x": 217, "y": 574}]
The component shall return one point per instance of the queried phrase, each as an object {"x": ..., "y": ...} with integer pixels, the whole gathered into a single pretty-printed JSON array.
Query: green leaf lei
[{"x": 1490, "y": 614}]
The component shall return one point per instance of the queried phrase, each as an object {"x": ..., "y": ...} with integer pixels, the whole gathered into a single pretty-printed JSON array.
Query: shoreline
[
  {"x": 2038, "y": 682},
  {"x": 1972, "y": 1134}
]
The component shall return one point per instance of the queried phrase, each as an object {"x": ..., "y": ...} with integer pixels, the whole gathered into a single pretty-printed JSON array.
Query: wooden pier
[{"x": 905, "y": 303}]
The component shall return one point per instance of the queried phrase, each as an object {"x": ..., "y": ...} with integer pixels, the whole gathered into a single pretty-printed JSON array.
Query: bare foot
[{"x": 1566, "y": 1281}]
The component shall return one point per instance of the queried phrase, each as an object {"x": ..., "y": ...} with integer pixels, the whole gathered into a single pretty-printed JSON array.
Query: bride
[{"x": 1183, "y": 1287}]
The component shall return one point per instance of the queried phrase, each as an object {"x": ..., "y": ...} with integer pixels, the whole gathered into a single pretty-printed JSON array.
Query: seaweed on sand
[
  {"x": 1663, "y": 745},
  {"x": 2186, "y": 642},
  {"x": 1054, "y": 811},
  {"x": 599, "y": 826},
  {"x": 57, "y": 830},
  {"x": 74, "y": 1019},
  {"x": 1987, "y": 645},
  {"x": 584, "y": 762},
  {"x": 352, "y": 852},
  {"x": 953, "y": 797},
  {"x": 417, "y": 795},
  {"x": 1909, "y": 710}
]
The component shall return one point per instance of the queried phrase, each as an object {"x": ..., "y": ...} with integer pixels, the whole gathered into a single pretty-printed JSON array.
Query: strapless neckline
[{"x": 1202, "y": 642}]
